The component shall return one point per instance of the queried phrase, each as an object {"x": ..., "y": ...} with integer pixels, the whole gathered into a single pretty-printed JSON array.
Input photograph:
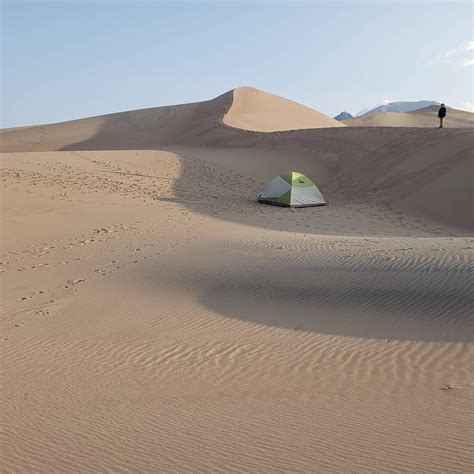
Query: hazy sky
[{"x": 64, "y": 60}]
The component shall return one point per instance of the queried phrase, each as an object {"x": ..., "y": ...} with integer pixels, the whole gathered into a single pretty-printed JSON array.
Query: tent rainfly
[{"x": 292, "y": 189}]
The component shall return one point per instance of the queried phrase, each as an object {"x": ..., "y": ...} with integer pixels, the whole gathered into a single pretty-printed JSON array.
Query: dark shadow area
[{"x": 411, "y": 300}]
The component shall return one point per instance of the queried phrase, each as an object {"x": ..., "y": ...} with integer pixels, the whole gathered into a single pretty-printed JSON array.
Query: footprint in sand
[{"x": 451, "y": 386}]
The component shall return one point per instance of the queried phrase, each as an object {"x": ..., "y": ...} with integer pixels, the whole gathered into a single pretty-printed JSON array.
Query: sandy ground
[{"x": 157, "y": 319}]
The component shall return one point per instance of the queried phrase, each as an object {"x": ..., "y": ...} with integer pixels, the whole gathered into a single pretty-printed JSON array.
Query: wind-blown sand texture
[
  {"x": 426, "y": 118},
  {"x": 157, "y": 319}
]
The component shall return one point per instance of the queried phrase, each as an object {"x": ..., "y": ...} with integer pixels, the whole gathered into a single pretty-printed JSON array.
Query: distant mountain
[
  {"x": 343, "y": 116},
  {"x": 403, "y": 106},
  {"x": 366, "y": 109}
]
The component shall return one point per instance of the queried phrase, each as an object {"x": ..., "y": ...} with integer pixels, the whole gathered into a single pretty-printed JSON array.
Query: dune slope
[
  {"x": 260, "y": 111},
  {"x": 152, "y": 127}
]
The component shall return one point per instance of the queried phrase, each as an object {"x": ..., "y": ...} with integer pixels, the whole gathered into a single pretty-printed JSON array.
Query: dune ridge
[
  {"x": 426, "y": 117},
  {"x": 245, "y": 108}
]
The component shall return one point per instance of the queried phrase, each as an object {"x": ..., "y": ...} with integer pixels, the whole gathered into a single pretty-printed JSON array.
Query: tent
[{"x": 292, "y": 189}]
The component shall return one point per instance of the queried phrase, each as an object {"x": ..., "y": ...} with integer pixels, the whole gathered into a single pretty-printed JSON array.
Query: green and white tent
[{"x": 292, "y": 189}]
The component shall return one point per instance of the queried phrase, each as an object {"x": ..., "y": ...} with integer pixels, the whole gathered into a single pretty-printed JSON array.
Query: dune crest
[
  {"x": 421, "y": 118},
  {"x": 259, "y": 111}
]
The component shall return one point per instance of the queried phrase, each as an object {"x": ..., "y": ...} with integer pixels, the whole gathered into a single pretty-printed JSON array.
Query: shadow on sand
[{"x": 412, "y": 298}]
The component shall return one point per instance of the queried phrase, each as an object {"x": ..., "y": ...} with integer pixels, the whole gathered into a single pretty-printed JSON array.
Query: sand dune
[
  {"x": 259, "y": 111},
  {"x": 150, "y": 127},
  {"x": 426, "y": 118},
  {"x": 244, "y": 108},
  {"x": 156, "y": 318}
]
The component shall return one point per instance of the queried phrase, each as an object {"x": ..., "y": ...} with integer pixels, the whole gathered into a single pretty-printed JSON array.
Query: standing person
[{"x": 441, "y": 115}]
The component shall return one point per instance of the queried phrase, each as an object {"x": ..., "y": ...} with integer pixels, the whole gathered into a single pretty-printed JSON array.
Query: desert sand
[
  {"x": 423, "y": 118},
  {"x": 156, "y": 318}
]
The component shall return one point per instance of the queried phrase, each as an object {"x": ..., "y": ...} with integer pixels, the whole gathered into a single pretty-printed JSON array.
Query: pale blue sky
[{"x": 66, "y": 60}]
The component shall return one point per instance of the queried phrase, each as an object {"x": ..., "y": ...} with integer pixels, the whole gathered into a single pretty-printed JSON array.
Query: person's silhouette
[{"x": 441, "y": 115}]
